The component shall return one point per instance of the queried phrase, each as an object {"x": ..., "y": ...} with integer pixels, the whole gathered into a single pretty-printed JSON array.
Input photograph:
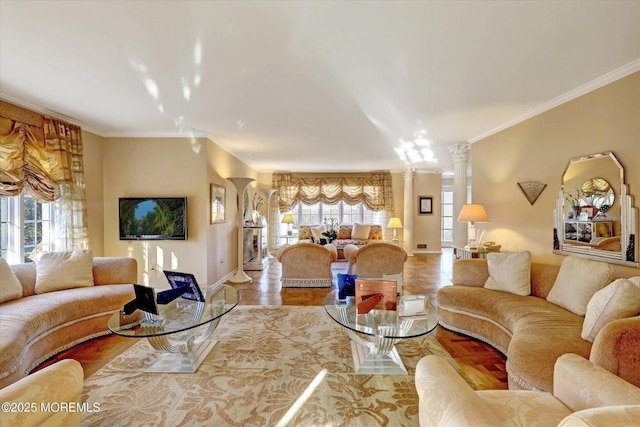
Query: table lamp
[
  {"x": 473, "y": 213},
  {"x": 394, "y": 224},
  {"x": 287, "y": 219}
]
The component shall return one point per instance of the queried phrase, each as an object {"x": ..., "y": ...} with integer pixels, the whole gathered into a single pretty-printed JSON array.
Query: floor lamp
[
  {"x": 268, "y": 192},
  {"x": 241, "y": 185}
]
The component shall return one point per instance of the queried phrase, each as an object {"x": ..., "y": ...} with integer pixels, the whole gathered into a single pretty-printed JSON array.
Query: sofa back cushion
[
  {"x": 10, "y": 287},
  {"x": 344, "y": 232},
  {"x": 376, "y": 232},
  {"x": 64, "y": 270},
  {"x": 577, "y": 281}
]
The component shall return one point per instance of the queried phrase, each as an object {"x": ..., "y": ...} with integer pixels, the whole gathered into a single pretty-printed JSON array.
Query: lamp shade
[
  {"x": 473, "y": 213},
  {"x": 287, "y": 219},
  {"x": 394, "y": 223}
]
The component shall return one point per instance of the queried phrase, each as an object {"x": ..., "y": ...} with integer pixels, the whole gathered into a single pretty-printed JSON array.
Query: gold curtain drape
[
  {"x": 64, "y": 145},
  {"x": 373, "y": 189},
  {"x": 43, "y": 156}
]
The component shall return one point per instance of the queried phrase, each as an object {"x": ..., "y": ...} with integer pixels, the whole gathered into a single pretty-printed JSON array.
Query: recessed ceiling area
[{"x": 311, "y": 85}]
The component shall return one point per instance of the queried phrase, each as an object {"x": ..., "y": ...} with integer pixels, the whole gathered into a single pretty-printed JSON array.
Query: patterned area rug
[{"x": 265, "y": 359}]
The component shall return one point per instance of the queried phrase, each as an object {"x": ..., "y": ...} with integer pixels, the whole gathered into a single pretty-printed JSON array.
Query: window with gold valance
[
  {"x": 43, "y": 156},
  {"x": 373, "y": 189}
]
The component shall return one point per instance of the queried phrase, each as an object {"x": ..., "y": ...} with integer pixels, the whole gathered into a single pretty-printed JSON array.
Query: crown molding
[{"x": 597, "y": 83}]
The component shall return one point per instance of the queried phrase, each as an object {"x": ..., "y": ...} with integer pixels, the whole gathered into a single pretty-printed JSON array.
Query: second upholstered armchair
[
  {"x": 375, "y": 260},
  {"x": 306, "y": 265}
]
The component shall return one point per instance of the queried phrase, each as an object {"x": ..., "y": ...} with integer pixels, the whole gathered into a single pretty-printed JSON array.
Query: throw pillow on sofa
[
  {"x": 360, "y": 231},
  {"x": 509, "y": 272},
  {"x": 577, "y": 281},
  {"x": 316, "y": 233},
  {"x": 64, "y": 270},
  {"x": 619, "y": 300},
  {"x": 10, "y": 287}
]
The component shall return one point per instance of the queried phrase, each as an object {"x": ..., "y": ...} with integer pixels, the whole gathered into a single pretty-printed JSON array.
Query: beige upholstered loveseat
[
  {"x": 584, "y": 394},
  {"x": 36, "y": 326},
  {"x": 365, "y": 233},
  {"x": 306, "y": 265},
  {"x": 534, "y": 332}
]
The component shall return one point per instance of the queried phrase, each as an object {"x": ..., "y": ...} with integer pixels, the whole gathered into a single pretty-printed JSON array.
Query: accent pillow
[
  {"x": 618, "y": 300},
  {"x": 577, "y": 281},
  {"x": 64, "y": 270},
  {"x": 316, "y": 233},
  {"x": 509, "y": 272},
  {"x": 396, "y": 277},
  {"x": 360, "y": 231},
  {"x": 346, "y": 285},
  {"x": 10, "y": 287}
]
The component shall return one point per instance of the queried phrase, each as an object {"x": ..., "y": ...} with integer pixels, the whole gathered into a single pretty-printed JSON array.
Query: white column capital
[
  {"x": 408, "y": 173},
  {"x": 460, "y": 152}
]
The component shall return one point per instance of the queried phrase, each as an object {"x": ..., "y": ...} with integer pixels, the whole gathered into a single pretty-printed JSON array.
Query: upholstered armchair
[
  {"x": 374, "y": 260},
  {"x": 307, "y": 265},
  {"x": 42, "y": 390},
  {"x": 584, "y": 394}
]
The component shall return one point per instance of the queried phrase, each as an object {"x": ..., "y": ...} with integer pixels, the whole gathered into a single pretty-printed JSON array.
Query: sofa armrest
[
  {"x": 114, "y": 270},
  {"x": 470, "y": 272},
  {"x": 617, "y": 349},
  {"x": 581, "y": 384},
  {"x": 55, "y": 384},
  {"x": 604, "y": 417},
  {"x": 445, "y": 399}
]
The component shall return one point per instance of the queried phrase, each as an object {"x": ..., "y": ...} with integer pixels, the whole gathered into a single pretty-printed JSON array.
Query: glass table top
[
  {"x": 383, "y": 323},
  {"x": 179, "y": 315}
]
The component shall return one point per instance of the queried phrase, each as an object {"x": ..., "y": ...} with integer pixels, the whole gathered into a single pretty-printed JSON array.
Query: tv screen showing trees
[{"x": 153, "y": 218}]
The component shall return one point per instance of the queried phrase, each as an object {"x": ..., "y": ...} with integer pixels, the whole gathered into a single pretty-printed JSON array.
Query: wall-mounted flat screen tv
[{"x": 153, "y": 218}]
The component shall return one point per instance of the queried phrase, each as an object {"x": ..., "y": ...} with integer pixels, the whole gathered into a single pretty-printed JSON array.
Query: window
[
  {"x": 447, "y": 217},
  {"x": 316, "y": 213},
  {"x": 24, "y": 224}
]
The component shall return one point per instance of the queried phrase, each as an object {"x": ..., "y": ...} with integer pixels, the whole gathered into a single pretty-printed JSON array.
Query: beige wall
[
  {"x": 538, "y": 149},
  {"x": 426, "y": 227},
  {"x": 158, "y": 167}
]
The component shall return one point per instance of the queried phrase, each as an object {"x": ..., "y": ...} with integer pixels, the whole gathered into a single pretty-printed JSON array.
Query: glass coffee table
[
  {"x": 374, "y": 335},
  {"x": 181, "y": 329}
]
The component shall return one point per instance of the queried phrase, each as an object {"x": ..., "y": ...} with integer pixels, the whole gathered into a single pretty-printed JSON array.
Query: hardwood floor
[{"x": 423, "y": 274}]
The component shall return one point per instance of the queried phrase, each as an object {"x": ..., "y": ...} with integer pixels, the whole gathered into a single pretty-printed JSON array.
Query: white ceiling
[{"x": 322, "y": 86}]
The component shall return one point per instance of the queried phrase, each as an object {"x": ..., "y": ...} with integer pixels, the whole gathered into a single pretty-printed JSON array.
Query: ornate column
[
  {"x": 407, "y": 233},
  {"x": 241, "y": 185},
  {"x": 459, "y": 154},
  {"x": 272, "y": 223}
]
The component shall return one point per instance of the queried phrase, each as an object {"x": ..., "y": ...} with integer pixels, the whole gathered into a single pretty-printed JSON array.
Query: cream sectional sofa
[
  {"x": 534, "y": 332},
  {"x": 35, "y": 327}
]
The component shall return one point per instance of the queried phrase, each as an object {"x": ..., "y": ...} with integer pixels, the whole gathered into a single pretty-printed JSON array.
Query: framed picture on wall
[
  {"x": 218, "y": 195},
  {"x": 425, "y": 205}
]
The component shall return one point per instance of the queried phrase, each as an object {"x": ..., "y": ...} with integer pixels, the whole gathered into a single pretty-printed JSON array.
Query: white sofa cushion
[
  {"x": 577, "y": 281},
  {"x": 509, "y": 272},
  {"x": 360, "y": 231},
  {"x": 10, "y": 287},
  {"x": 618, "y": 300},
  {"x": 316, "y": 232},
  {"x": 64, "y": 270}
]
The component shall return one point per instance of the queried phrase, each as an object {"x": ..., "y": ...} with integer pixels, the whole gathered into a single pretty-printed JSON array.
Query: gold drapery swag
[
  {"x": 373, "y": 189},
  {"x": 44, "y": 156}
]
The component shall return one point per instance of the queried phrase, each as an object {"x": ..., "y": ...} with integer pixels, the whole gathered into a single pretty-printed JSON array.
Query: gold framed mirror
[{"x": 594, "y": 216}]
